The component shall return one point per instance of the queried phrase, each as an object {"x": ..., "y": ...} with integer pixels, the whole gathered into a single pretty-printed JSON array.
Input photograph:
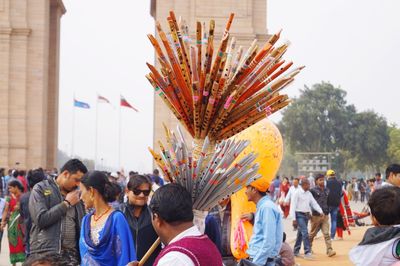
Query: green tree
[
  {"x": 393, "y": 150},
  {"x": 371, "y": 139},
  {"x": 319, "y": 120}
]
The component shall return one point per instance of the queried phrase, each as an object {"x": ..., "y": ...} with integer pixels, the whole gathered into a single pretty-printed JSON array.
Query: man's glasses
[{"x": 138, "y": 191}]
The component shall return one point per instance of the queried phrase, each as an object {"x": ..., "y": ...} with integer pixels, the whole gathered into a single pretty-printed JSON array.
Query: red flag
[{"x": 125, "y": 103}]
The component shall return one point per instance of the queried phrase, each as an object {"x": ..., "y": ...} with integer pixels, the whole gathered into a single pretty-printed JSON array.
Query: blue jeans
[
  {"x": 248, "y": 262},
  {"x": 333, "y": 212},
  {"x": 302, "y": 233}
]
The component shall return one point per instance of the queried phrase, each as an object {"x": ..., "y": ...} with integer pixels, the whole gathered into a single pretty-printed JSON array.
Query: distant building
[{"x": 314, "y": 162}]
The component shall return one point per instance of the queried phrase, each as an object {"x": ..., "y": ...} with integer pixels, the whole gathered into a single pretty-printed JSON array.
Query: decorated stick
[
  {"x": 182, "y": 86},
  {"x": 172, "y": 15},
  {"x": 180, "y": 52},
  {"x": 199, "y": 47}
]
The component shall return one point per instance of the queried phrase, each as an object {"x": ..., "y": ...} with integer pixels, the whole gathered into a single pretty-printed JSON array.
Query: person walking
[
  {"x": 318, "y": 222},
  {"x": 283, "y": 191},
  {"x": 15, "y": 223},
  {"x": 363, "y": 189},
  {"x": 334, "y": 197},
  {"x": 34, "y": 176},
  {"x": 300, "y": 210}
]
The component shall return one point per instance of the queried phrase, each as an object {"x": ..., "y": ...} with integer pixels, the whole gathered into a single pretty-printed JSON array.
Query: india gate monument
[{"x": 29, "y": 68}]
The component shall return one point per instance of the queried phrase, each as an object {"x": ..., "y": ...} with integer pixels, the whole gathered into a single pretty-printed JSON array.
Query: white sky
[{"x": 354, "y": 44}]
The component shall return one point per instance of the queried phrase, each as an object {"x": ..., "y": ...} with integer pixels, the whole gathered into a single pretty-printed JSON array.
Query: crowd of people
[{"x": 81, "y": 217}]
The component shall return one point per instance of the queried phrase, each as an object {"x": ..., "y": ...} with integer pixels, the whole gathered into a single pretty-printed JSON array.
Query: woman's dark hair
[
  {"x": 99, "y": 181},
  {"x": 17, "y": 184},
  {"x": 385, "y": 205},
  {"x": 173, "y": 204},
  {"x": 137, "y": 180}
]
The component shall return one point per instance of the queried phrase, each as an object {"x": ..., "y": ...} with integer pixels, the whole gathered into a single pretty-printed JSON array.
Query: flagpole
[
  {"x": 119, "y": 137},
  {"x": 73, "y": 127},
  {"x": 95, "y": 133}
]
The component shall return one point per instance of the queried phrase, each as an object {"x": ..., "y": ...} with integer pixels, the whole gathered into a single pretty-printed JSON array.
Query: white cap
[{"x": 114, "y": 174}]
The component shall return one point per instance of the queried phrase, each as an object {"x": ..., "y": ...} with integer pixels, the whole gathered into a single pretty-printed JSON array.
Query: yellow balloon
[{"x": 266, "y": 141}]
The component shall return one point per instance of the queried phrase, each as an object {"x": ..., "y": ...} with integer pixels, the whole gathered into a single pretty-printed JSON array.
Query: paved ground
[{"x": 342, "y": 247}]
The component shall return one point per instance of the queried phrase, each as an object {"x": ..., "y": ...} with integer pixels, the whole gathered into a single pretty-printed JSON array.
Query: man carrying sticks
[
  {"x": 266, "y": 241},
  {"x": 171, "y": 207}
]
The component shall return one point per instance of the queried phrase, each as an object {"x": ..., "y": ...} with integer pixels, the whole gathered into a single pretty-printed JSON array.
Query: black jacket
[
  {"x": 24, "y": 211},
  {"x": 47, "y": 210},
  {"x": 321, "y": 196},
  {"x": 143, "y": 232},
  {"x": 335, "y": 192}
]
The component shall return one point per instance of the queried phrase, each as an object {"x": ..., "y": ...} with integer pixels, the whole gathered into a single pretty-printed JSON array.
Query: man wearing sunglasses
[{"x": 138, "y": 216}]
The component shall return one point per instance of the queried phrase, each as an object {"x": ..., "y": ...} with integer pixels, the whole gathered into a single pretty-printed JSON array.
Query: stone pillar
[
  {"x": 249, "y": 24},
  {"x": 29, "y": 59},
  {"x": 56, "y": 11}
]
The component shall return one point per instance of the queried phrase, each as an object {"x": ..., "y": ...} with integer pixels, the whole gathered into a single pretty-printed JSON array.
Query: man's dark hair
[
  {"x": 296, "y": 178},
  {"x": 319, "y": 176},
  {"x": 378, "y": 174},
  {"x": 156, "y": 172},
  {"x": 15, "y": 173},
  {"x": 35, "y": 176},
  {"x": 52, "y": 259},
  {"x": 173, "y": 204},
  {"x": 393, "y": 168},
  {"x": 137, "y": 180},
  {"x": 17, "y": 184},
  {"x": 385, "y": 205},
  {"x": 73, "y": 166},
  {"x": 117, "y": 190},
  {"x": 132, "y": 173},
  {"x": 2, "y": 172},
  {"x": 284, "y": 237}
]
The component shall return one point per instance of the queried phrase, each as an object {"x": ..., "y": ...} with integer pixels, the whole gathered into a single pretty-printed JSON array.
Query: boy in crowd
[{"x": 381, "y": 244}]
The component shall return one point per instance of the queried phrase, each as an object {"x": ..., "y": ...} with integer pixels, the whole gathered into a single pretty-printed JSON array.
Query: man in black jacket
[
  {"x": 138, "y": 215},
  {"x": 318, "y": 222},
  {"x": 34, "y": 176},
  {"x": 334, "y": 197},
  {"x": 56, "y": 213}
]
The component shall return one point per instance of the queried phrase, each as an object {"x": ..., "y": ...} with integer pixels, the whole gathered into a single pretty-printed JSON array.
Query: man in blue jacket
[{"x": 266, "y": 241}]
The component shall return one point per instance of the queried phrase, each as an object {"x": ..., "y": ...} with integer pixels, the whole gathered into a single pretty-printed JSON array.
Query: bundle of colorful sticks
[
  {"x": 218, "y": 94},
  {"x": 214, "y": 175}
]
